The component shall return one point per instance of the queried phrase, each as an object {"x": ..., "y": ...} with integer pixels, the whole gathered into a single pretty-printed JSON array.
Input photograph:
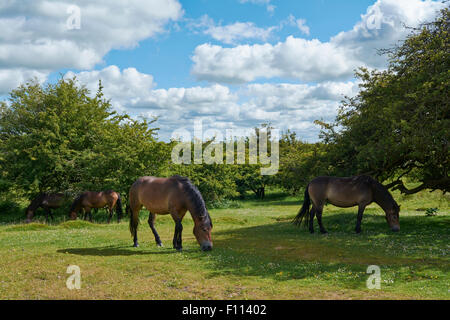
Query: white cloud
[
  {"x": 286, "y": 106},
  {"x": 231, "y": 33},
  {"x": 296, "y": 58},
  {"x": 35, "y": 36},
  {"x": 301, "y": 25},
  {"x": 297, "y": 23},
  {"x": 12, "y": 78},
  {"x": 312, "y": 60}
]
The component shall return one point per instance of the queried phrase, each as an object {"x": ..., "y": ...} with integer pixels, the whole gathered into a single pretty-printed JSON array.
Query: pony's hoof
[
  {"x": 160, "y": 245},
  {"x": 135, "y": 245}
]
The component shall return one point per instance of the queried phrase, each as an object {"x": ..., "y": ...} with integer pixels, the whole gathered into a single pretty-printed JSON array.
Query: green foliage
[
  {"x": 224, "y": 204},
  {"x": 214, "y": 181},
  {"x": 300, "y": 162},
  {"x": 431, "y": 211},
  {"x": 397, "y": 126},
  {"x": 59, "y": 138}
]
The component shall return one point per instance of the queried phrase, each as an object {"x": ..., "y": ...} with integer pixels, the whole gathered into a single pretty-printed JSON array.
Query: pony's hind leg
[
  {"x": 319, "y": 220},
  {"x": 134, "y": 221},
  {"x": 312, "y": 213},
  {"x": 151, "y": 223}
]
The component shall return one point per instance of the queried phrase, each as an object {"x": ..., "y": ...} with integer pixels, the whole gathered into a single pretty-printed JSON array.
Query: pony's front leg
[
  {"x": 110, "y": 215},
  {"x": 177, "y": 236},
  {"x": 46, "y": 215},
  {"x": 359, "y": 218},
  {"x": 88, "y": 212}
]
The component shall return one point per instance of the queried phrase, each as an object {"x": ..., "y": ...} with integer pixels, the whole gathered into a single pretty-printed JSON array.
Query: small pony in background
[
  {"x": 94, "y": 200},
  {"x": 46, "y": 201}
]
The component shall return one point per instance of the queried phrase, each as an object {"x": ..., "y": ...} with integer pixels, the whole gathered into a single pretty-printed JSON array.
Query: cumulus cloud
[
  {"x": 295, "y": 58},
  {"x": 12, "y": 78},
  {"x": 286, "y": 106},
  {"x": 135, "y": 92},
  {"x": 231, "y": 33},
  {"x": 35, "y": 34},
  {"x": 312, "y": 60}
]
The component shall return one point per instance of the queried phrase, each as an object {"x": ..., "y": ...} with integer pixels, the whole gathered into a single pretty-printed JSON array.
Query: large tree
[
  {"x": 59, "y": 137},
  {"x": 398, "y": 126}
]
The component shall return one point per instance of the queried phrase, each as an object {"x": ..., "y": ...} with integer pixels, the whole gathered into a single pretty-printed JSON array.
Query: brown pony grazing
[
  {"x": 174, "y": 196},
  {"x": 347, "y": 192},
  {"x": 89, "y": 199},
  {"x": 46, "y": 201}
]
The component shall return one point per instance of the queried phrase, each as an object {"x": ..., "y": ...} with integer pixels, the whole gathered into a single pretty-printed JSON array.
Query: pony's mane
[
  {"x": 76, "y": 202},
  {"x": 380, "y": 191},
  {"x": 194, "y": 196}
]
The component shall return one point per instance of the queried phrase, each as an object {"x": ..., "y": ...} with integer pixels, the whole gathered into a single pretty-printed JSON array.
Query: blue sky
[
  {"x": 167, "y": 56},
  {"x": 233, "y": 64}
]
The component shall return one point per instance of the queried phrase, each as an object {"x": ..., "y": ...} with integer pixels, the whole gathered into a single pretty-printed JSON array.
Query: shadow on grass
[
  {"x": 118, "y": 251},
  {"x": 282, "y": 251},
  {"x": 60, "y": 216},
  {"x": 289, "y": 202}
]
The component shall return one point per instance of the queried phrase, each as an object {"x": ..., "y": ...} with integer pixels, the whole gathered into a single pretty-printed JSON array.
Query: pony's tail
[
  {"x": 304, "y": 211},
  {"x": 119, "y": 210}
]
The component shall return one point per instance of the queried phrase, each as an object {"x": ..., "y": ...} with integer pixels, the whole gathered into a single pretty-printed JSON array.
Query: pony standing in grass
[
  {"x": 93, "y": 200},
  {"x": 46, "y": 201},
  {"x": 174, "y": 196},
  {"x": 344, "y": 193}
]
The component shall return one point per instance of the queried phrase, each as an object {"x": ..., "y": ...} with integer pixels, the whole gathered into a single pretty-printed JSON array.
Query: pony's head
[
  {"x": 202, "y": 231},
  {"x": 73, "y": 215},
  {"x": 31, "y": 209},
  {"x": 392, "y": 217},
  {"x": 75, "y": 207}
]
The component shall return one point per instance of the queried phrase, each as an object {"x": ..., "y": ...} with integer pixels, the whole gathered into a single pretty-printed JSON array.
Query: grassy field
[{"x": 258, "y": 254}]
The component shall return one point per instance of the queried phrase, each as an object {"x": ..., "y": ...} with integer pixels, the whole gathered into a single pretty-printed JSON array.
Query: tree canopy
[
  {"x": 398, "y": 125},
  {"x": 60, "y": 138}
]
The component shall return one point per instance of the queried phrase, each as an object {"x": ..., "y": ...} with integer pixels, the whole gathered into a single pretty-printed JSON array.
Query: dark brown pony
[
  {"x": 347, "y": 192},
  {"x": 93, "y": 200},
  {"x": 174, "y": 196},
  {"x": 45, "y": 201}
]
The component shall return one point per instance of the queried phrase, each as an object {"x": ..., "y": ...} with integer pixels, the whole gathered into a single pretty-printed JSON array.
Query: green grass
[{"x": 258, "y": 254}]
